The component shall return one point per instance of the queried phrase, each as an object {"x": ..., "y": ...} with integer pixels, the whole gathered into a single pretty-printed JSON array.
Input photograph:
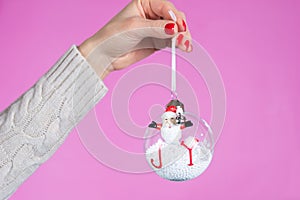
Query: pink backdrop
[{"x": 256, "y": 46}]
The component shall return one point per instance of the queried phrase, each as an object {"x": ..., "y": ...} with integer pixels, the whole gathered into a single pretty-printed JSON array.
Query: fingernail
[
  {"x": 187, "y": 44},
  {"x": 179, "y": 39},
  {"x": 169, "y": 28},
  {"x": 184, "y": 25}
]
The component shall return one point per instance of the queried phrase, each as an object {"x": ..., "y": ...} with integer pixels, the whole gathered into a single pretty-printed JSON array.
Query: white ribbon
[{"x": 173, "y": 63}]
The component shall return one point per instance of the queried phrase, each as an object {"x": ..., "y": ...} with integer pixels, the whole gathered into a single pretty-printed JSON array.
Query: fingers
[
  {"x": 183, "y": 43},
  {"x": 161, "y": 8},
  {"x": 154, "y": 43},
  {"x": 157, "y": 36},
  {"x": 161, "y": 29}
]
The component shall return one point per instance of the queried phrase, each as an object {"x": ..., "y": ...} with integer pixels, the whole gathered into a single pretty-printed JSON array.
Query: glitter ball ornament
[{"x": 179, "y": 145}]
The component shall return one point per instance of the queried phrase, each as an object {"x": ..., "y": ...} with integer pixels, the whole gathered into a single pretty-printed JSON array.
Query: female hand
[{"x": 140, "y": 29}]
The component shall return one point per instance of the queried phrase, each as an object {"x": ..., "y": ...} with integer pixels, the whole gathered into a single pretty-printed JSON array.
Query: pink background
[{"x": 256, "y": 46}]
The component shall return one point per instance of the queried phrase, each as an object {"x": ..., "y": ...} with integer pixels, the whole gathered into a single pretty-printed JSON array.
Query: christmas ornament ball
[{"x": 178, "y": 150}]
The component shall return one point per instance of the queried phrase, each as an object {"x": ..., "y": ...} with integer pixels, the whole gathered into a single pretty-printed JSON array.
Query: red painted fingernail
[
  {"x": 179, "y": 39},
  {"x": 169, "y": 28},
  {"x": 187, "y": 44},
  {"x": 184, "y": 25}
]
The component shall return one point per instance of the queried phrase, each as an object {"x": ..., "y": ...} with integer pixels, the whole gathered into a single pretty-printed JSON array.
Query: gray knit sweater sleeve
[{"x": 36, "y": 124}]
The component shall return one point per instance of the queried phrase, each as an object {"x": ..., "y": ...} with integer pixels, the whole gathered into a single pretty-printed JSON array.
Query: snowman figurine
[{"x": 173, "y": 121}]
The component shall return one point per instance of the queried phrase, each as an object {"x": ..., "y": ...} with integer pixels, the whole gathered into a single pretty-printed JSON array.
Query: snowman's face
[{"x": 169, "y": 121}]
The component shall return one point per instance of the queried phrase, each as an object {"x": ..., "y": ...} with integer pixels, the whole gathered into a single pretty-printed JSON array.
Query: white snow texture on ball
[{"x": 175, "y": 159}]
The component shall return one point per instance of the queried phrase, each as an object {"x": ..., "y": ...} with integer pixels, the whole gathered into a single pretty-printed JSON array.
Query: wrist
[
  {"x": 104, "y": 74},
  {"x": 100, "y": 65},
  {"x": 85, "y": 48}
]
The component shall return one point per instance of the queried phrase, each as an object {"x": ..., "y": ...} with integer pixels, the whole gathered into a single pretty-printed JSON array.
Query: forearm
[{"x": 36, "y": 124}]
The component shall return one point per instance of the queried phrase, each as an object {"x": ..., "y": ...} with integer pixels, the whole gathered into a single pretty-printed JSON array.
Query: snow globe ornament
[{"x": 179, "y": 145}]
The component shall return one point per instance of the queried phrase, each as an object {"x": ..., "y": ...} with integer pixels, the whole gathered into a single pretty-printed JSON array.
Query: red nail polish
[
  {"x": 184, "y": 25},
  {"x": 187, "y": 44},
  {"x": 169, "y": 28},
  {"x": 179, "y": 39}
]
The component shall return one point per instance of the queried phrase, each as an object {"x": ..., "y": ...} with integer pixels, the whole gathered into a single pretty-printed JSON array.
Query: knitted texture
[{"x": 37, "y": 123}]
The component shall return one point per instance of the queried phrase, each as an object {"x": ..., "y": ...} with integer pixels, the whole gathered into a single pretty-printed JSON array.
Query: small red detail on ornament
[
  {"x": 190, "y": 151},
  {"x": 160, "y": 161},
  {"x": 171, "y": 108}
]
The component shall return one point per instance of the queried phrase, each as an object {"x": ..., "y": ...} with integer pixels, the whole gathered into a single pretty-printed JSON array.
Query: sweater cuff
[{"x": 73, "y": 77}]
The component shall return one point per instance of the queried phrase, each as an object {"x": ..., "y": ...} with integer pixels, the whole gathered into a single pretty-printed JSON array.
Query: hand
[
  {"x": 140, "y": 29},
  {"x": 152, "y": 125},
  {"x": 188, "y": 124}
]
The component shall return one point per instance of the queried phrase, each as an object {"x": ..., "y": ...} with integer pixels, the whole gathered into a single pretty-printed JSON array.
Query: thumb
[{"x": 161, "y": 29}]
